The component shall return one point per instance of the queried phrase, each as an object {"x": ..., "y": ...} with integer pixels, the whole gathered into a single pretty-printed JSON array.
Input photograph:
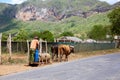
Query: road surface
[{"x": 105, "y": 67}]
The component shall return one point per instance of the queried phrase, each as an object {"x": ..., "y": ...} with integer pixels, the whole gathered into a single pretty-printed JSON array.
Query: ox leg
[
  {"x": 53, "y": 55},
  {"x": 56, "y": 56},
  {"x": 60, "y": 57},
  {"x": 66, "y": 57}
]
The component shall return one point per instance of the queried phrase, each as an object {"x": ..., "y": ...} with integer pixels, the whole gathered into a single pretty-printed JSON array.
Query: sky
[
  {"x": 12, "y": 1},
  {"x": 20, "y": 1},
  {"x": 111, "y": 1}
]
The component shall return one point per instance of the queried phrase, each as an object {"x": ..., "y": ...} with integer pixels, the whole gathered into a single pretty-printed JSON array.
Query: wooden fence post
[
  {"x": 0, "y": 48},
  {"x": 46, "y": 46},
  {"x": 9, "y": 46},
  {"x": 40, "y": 42},
  {"x": 28, "y": 54}
]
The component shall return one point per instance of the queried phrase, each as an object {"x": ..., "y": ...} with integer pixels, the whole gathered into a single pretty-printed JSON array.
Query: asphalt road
[{"x": 106, "y": 67}]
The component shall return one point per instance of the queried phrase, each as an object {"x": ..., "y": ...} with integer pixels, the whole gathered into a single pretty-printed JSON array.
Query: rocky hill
[
  {"x": 77, "y": 16},
  {"x": 53, "y": 10}
]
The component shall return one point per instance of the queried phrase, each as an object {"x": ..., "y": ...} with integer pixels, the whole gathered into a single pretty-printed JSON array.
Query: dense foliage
[
  {"x": 114, "y": 17},
  {"x": 22, "y": 35},
  {"x": 67, "y": 34},
  {"x": 47, "y": 35},
  {"x": 98, "y": 32}
]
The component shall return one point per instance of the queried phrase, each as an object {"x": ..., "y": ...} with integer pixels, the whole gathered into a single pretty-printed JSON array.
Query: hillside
[
  {"x": 78, "y": 25},
  {"x": 52, "y": 10},
  {"x": 57, "y": 16},
  {"x": 55, "y": 10}
]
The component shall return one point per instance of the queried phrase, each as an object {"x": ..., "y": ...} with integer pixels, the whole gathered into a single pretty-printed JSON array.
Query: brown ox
[
  {"x": 64, "y": 50},
  {"x": 54, "y": 50}
]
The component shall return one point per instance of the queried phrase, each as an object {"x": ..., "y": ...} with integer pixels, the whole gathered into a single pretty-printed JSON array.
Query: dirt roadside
[{"x": 13, "y": 68}]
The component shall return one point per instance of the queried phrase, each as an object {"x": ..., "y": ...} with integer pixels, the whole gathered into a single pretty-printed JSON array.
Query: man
[{"x": 33, "y": 47}]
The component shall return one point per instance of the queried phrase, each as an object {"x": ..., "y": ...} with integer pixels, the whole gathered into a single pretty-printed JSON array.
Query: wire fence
[
  {"x": 80, "y": 47},
  {"x": 20, "y": 50}
]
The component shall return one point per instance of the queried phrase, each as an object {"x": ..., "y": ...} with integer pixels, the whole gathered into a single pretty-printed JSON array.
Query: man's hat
[{"x": 36, "y": 37}]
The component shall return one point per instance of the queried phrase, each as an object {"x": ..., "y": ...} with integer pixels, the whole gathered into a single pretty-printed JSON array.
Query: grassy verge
[
  {"x": 20, "y": 58},
  {"x": 93, "y": 53},
  {"x": 16, "y": 58}
]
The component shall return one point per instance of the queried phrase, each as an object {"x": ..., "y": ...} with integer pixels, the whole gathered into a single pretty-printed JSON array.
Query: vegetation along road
[{"x": 105, "y": 67}]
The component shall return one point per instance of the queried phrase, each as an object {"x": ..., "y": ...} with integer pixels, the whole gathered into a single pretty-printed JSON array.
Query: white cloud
[
  {"x": 111, "y": 1},
  {"x": 17, "y": 1},
  {"x": 43, "y": 0}
]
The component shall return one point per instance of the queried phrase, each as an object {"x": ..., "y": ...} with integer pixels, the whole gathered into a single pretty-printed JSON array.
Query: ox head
[{"x": 72, "y": 49}]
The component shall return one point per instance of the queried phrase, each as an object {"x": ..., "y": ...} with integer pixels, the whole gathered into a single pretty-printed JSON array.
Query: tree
[
  {"x": 98, "y": 32},
  {"x": 4, "y": 36},
  {"x": 33, "y": 34},
  {"x": 47, "y": 35},
  {"x": 109, "y": 35},
  {"x": 22, "y": 35},
  {"x": 114, "y": 18},
  {"x": 67, "y": 34}
]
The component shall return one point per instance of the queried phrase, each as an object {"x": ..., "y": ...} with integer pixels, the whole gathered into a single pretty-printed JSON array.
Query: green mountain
[
  {"x": 77, "y": 25},
  {"x": 67, "y": 5},
  {"x": 57, "y": 16}
]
